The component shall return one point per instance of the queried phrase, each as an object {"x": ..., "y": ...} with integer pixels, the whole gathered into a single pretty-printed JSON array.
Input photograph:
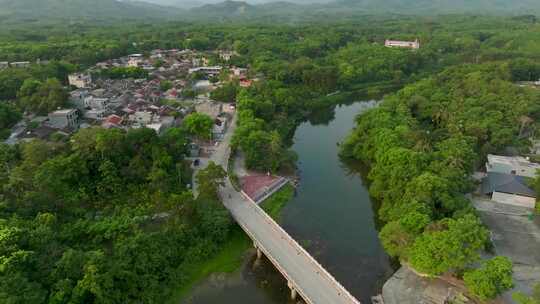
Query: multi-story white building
[{"x": 62, "y": 119}]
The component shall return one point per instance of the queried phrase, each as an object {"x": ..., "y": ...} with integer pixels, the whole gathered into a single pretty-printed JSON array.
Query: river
[{"x": 331, "y": 216}]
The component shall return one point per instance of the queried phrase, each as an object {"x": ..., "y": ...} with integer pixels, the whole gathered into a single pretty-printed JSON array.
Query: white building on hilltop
[{"x": 402, "y": 44}]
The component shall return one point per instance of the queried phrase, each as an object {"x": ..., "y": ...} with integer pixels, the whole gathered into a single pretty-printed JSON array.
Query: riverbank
[
  {"x": 232, "y": 254},
  {"x": 275, "y": 203},
  {"x": 226, "y": 260}
]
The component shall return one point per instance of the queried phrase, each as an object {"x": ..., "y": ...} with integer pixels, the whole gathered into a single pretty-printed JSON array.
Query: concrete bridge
[{"x": 305, "y": 276}]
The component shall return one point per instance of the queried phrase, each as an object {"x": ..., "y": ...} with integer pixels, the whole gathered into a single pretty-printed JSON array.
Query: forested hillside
[
  {"x": 284, "y": 11},
  {"x": 424, "y": 142}
]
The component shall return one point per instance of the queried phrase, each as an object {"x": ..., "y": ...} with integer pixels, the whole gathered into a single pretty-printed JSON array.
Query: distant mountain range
[
  {"x": 197, "y": 9},
  {"x": 444, "y": 6},
  {"x": 75, "y": 9},
  {"x": 375, "y": 6}
]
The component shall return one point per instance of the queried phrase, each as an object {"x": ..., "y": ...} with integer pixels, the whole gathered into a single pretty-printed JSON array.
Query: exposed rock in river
[{"x": 406, "y": 287}]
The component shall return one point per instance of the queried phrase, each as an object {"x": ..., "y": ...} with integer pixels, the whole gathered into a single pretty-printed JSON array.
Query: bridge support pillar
[
  {"x": 259, "y": 252},
  {"x": 294, "y": 293}
]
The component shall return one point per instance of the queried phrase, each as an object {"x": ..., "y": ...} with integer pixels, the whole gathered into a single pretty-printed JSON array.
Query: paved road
[
  {"x": 515, "y": 236},
  {"x": 314, "y": 284}
]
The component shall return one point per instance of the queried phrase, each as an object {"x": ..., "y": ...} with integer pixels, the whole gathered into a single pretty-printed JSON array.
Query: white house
[
  {"x": 239, "y": 72},
  {"x": 141, "y": 118},
  {"x": 20, "y": 64},
  {"x": 96, "y": 103},
  {"x": 402, "y": 44},
  {"x": 134, "y": 62},
  {"x": 4, "y": 65},
  {"x": 95, "y": 114},
  {"x": 80, "y": 80},
  {"x": 226, "y": 55},
  {"x": 515, "y": 165},
  {"x": 210, "y": 71}
]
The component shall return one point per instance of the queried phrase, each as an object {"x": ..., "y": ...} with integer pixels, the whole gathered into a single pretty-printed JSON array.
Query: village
[{"x": 155, "y": 91}]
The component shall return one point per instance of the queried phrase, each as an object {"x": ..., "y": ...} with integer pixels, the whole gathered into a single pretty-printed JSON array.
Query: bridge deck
[{"x": 309, "y": 278}]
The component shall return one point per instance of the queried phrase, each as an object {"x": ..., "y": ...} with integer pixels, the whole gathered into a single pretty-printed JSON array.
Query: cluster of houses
[{"x": 136, "y": 103}]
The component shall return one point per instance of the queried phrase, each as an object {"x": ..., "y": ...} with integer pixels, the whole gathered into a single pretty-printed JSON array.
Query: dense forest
[
  {"x": 103, "y": 218},
  {"x": 423, "y": 143},
  {"x": 107, "y": 216}
]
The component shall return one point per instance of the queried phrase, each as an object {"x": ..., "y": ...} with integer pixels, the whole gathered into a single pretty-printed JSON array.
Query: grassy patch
[
  {"x": 228, "y": 259},
  {"x": 277, "y": 201}
]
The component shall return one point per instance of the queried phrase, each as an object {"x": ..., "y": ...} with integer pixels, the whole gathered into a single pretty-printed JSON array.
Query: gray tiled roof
[{"x": 506, "y": 183}]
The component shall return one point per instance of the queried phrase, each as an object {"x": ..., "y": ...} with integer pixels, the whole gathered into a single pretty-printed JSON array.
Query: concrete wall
[{"x": 513, "y": 199}]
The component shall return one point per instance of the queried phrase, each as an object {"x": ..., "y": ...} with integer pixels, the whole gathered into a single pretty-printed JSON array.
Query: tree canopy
[
  {"x": 491, "y": 279},
  {"x": 199, "y": 125}
]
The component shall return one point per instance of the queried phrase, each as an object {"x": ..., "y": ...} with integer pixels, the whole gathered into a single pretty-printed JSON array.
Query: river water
[{"x": 331, "y": 216}]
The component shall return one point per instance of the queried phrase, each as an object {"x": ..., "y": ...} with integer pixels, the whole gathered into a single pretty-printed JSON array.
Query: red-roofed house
[{"x": 113, "y": 121}]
